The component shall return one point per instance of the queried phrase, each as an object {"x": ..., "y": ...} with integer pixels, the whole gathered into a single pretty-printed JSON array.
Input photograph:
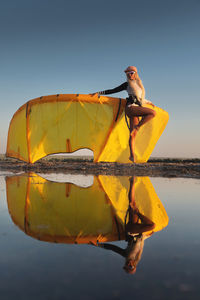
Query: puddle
[{"x": 98, "y": 237}]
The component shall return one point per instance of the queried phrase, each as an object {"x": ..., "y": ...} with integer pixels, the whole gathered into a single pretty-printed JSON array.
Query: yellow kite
[{"x": 69, "y": 122}]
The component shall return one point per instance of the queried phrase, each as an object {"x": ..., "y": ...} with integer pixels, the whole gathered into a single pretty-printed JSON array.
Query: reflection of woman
[
  {"x": 135, "y": 226},
  {"x": 134, "y": 106}
]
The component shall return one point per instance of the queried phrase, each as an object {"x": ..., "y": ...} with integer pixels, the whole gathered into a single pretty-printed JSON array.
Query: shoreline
[{"x": 155, "y": 167}]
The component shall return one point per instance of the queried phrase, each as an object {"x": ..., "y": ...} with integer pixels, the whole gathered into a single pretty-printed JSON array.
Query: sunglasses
[{"x": 131, "y": 72}]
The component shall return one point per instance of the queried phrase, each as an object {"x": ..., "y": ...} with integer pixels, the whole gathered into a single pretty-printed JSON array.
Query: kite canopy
[
  {"x": 69, "y": 122},
  {"x": 66, "y": 213}
]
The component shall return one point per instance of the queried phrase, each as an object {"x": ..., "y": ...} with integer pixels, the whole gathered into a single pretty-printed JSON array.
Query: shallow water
[{"x": 45, "y": 218}]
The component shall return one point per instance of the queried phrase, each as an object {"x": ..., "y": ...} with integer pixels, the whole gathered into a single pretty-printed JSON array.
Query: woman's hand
[{"x": 150, "y": 103}]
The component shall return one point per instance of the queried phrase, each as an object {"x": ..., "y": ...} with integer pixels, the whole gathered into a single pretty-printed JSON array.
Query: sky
[{"x": 74, "y": 46}]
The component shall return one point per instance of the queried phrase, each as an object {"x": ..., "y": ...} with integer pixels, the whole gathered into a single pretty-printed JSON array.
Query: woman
[
  {"x": 134, "y": 106},
  {"x": 136, "y": 225}
]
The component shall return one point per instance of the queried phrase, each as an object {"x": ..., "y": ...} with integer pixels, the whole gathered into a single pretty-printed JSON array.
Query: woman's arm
[
  {"x": 112, "y": 247},
  {"x": 118, "y": 89}
]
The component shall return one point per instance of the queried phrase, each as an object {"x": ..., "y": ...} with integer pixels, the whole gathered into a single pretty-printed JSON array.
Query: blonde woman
[{"x": 134, "y": 106}]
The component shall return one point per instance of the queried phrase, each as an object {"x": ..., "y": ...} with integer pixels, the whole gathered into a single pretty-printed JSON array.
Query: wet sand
[{"x": 155, "y": 167}]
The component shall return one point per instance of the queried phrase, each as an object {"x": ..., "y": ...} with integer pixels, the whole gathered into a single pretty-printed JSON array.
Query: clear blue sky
[{"x": 70, "y": 46}]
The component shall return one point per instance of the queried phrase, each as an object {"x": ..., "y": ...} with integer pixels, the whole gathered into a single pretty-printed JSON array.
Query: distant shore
[{"x": 155, "y": 167}]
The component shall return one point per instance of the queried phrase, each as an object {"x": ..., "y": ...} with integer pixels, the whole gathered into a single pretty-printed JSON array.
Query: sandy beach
[{"x": 155, "y": 167}]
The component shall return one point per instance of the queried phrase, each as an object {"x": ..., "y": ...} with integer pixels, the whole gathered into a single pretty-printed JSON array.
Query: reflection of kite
[
  {"x": 66, "y": 123},
  {"x": 65, "y": 213}
]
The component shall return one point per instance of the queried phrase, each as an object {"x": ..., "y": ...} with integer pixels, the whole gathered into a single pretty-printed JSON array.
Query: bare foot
[{"x": 131, "y": 158}]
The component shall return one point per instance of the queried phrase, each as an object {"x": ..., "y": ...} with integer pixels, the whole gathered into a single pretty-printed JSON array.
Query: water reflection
[
  {"x": 111, "y": 209},
  {"x": 135, "y": 226}
]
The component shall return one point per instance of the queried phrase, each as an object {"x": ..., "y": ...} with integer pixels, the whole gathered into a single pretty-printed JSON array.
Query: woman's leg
[
  {"x": 133, "y": 225},
  {"x": 132, "y": 204},
  {"x": 133, "y": 124},
  {"x": 139, "y": 111},
  {"x": 133, "y": 112}
]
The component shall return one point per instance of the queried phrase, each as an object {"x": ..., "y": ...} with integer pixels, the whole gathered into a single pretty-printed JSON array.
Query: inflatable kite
[
  {"x": 66, "y": 123},
  {"x": 66, "y": 213}
]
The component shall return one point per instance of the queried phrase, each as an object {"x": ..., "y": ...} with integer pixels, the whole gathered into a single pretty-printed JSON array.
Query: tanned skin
[{"x": 134, "y": 112}]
